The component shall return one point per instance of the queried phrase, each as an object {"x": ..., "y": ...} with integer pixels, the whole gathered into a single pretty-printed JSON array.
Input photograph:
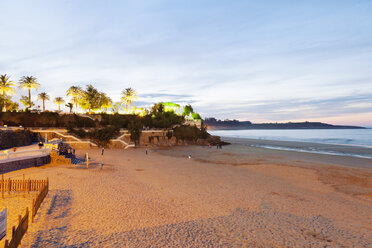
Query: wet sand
[{"x": 235, "y": 197}]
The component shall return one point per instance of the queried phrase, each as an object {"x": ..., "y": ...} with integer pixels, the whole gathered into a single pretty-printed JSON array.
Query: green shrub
[
  {"x": 191, "y": 133},
  {"x": 135, "y": 130},
  {"x": 100, "y": 136},
  {"x": 195, "y": 116},
  {"x": 81, "y": 133}
]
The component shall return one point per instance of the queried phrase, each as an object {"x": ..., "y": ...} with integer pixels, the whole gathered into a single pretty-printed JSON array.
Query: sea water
[{"x": 352, "y": 137}]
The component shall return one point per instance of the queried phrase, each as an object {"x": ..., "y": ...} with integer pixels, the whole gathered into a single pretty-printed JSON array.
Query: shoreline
[
  {"x": 349, "y": 175},
  {"x": 341, "y": 154}
]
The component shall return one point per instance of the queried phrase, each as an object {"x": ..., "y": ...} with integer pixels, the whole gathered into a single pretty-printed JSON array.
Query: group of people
[
  {"x": 219, "y": 146},
  {"x": 65, "y": 150}
]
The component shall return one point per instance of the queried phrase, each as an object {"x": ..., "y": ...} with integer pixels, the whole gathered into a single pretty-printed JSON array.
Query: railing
[
  {"x": 19, "y": 232},
  {"x": 7, "y": 154},
  {"x": 66, "y": 136}
]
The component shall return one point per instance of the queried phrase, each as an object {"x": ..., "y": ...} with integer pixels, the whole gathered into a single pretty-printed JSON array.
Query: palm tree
[
  {"x": 105, "y": 102},
  {"x": 70, "y": 105},
  {"x": 29, "y": 82},
  {"x": 90, "y": 99},
  {"x": 25, "y": 101},
  {"x": 74, "y": 92},
  {"x": 59, "y": 101},
  {"x": 6, "y": 88},
  {"x": 115, "y": 107},
  {"x": 44, "y": 97},
  {"x": 128, "y": 96}
]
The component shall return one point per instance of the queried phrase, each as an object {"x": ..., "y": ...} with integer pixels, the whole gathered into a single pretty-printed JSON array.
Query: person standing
[{"x": 103, "y": 150}]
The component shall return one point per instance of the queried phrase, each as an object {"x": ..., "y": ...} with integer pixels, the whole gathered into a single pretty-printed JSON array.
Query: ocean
[{"x": 359, "y": 139}]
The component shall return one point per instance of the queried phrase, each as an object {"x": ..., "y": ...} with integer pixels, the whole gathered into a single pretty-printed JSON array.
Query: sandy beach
[{"x": 235, "y": 197}]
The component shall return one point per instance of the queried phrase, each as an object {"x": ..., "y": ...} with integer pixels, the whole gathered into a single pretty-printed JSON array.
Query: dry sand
[{"x": 218, "y": 198}]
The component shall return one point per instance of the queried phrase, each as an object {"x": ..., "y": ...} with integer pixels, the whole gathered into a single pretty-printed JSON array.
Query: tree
[
  {"x": 105, "y": 102},
  {"x": 26, "y": 102},
  {"x": 195, "y": 116},
  {"x": 135, "y": 130},
  {"x": 6, "y": 87},
  {"x": 10, "y": 105},
  {"x": 59, "y": 101},
  {"x": 157, "y": 108},
  {"x": 74, "y": 92},
  {"x": 115, "y": 107},
  {"x": 70, "y": 106},
  {"x": 90, "y": 99},
  {"x": 44, "y": 97},
  {"x": 128, "y": 96},
  {"x": 187, "y": 110},
  {"x": 29, "y": 82}
]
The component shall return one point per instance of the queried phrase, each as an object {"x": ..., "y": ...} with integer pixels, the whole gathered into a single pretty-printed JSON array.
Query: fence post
[
  {"x": 2, "y": 186},
  {"x": 10, "y": 185},
  {"x": 87, "y": 158},
  {"x": 23, "y": 185},
  {"x": 33, "y": 210}
]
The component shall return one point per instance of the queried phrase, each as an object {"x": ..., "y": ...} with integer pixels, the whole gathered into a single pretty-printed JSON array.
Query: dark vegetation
[
  {"x": 190, "y": 133},
  {"x": 100, "y": 136},
  {"x": 135, "y": 130},
  {"x": 45, "y": 119},
  {"x": 156, "y": 119}
]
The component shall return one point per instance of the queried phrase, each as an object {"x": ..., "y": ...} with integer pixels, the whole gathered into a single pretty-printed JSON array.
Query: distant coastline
[{"x": 213, "y": 124}]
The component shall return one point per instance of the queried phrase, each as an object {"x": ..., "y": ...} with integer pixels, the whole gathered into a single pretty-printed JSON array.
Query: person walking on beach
[
  {"x": 146, "y": 151},
  {"x": 103, "y": 150}
]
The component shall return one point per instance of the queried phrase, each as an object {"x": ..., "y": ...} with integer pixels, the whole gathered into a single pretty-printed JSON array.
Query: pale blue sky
[{"x": 248, "y": 60}]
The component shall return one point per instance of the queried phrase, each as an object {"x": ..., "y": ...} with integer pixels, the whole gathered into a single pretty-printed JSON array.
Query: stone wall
[
  {"x": 149, "y": 138},
  {"x": 17, "y": 164},
  {"x": 12, "y": 138}
]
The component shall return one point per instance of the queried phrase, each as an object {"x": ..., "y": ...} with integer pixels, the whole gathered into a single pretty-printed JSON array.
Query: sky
[{"x": 263, "y": 61}]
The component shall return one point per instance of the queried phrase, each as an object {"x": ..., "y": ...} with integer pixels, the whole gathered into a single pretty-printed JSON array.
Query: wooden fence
[
  {"x": 39, "y": 199},
  {"x": 20, "y": 185},
  {"x": 17, "y": 233}
]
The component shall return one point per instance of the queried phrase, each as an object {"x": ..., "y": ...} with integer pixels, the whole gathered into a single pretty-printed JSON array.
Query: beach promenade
[{"x": 214, "y": 199}]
